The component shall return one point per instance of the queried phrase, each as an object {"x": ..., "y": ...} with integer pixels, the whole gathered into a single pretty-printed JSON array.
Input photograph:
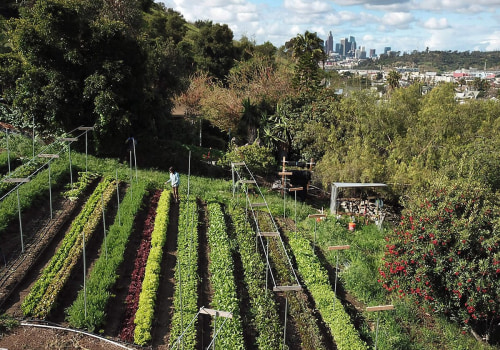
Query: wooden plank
[
  {"x": 85, "y": 128},
  {"x": 268, "y": 234},
  {"x": 316, "y": 216},
  {"x": 70, "y": 139},
  {"x": 379, "y": 308},
  {"x": 286, "y": 288},
  {"x": 339, "y": 247},
  {"x": 45, "y": 155},
  {"x": 293, "y": 189},
  {"x": 217, "y": 313},
  {"x": 237, "y": 163},
  {"x": 284, "y": 173},
  {"x": 17, "y": 179},
  {"x": 257, "y": 204}
]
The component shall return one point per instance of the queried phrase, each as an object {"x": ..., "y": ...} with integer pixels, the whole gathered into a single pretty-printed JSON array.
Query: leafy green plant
[
  {"x": 221, "y": 269},
  {"x": 264, "y": 313},
  {"x": 79, "y": 186},
  {"x": 145, "y": 312},
  {"x": 7, "y": 323},
  {"x": 316, "y": 280},
  {"x": 32, "y": 191},
  {"x": 186, "y": 285},
  {"x": 44, "y": 292},
  {"x": 103, "y": 275}
]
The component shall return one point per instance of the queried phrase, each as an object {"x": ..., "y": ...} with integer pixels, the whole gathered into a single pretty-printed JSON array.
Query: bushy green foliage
[
  {"x": 445, "y": 254},
  {"x": 32, "y": 191},
  {"x": 7, "y": 323},
  {"x": 259, "y": 159},
  {"x": 92, "y": 63}
]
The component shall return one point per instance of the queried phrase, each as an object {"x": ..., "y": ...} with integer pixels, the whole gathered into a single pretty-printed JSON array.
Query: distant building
[
  {"x": 329, "y": 44},
  {"x": 372, "y": 53},
  {"x": 352, "y": 46},
  {"x": 387, "y": 49},
  {"x": 344, "y": 47}
]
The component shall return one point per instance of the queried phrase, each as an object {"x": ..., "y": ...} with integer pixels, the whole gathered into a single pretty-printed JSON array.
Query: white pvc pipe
[{"x": 76, "y": 331}]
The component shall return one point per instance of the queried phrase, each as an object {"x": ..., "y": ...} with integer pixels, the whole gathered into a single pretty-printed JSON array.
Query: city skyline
[{"x": 403, "y": 25}]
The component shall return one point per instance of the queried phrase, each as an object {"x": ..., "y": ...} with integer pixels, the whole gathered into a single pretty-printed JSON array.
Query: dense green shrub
[
  {"x": 445, "y": 254},
  {"x": 259, "y": 159}
]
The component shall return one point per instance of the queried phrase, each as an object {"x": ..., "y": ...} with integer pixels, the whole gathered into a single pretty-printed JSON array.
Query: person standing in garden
[{"x": 175, "y": 181}]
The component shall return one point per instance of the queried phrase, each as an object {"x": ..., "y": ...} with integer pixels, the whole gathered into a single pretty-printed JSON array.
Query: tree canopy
[{"x": 100, "y": 63}]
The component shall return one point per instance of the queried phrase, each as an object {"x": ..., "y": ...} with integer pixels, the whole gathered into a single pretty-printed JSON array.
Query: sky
[{"x": 403, "y": 25}]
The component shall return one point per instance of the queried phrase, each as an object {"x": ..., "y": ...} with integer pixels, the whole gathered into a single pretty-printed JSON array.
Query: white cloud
[
  {"x": 369, "y": 2},
  {"x": 307, "y": 7},
  {"x": 457, "y": 6},
  {"x": 436, "y": 24},
  {"x": 397, "y": 19},
  {"x": 493, "y": 41}
]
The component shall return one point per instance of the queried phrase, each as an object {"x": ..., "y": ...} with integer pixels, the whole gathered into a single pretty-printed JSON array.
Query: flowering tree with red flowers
[{"x": 445, "y": 255}]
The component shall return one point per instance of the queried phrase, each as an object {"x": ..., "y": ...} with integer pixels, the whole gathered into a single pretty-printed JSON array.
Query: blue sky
[{"x": 404, "y": 25}]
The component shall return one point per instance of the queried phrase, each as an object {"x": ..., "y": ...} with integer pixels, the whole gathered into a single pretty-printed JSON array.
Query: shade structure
[{"x": 337, "y": 185}]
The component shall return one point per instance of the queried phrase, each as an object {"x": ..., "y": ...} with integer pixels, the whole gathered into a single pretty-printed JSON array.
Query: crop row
[
  {"x": 263, "y": 308},
  {"x": 317, "y": 282},
  {"x": 302, "y": 316},
  {"x": 134, "y": 290},
  {"x": 145, "y": 312},
  {"x": 42, "y": 296},
  {"x": 186, "y": 281},
  {"x": 88, "y": 310},
  {"x": 221, "y": 269},
  {"x": 31, "y": 191}
]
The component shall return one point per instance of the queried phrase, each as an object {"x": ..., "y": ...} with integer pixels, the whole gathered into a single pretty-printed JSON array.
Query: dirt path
[{"x": 164, "y": 299}]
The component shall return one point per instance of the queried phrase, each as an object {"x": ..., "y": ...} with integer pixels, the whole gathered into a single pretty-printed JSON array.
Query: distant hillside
[{"x": 439, "y": 61}]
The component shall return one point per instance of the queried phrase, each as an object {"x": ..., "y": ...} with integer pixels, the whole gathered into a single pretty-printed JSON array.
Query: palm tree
[{"x": 393, "y": 79}]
